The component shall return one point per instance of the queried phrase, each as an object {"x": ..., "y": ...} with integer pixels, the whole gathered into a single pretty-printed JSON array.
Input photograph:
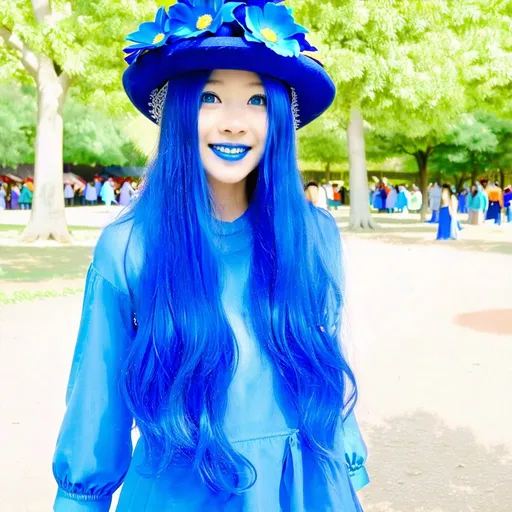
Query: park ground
[{"x": 428, "y": 330}]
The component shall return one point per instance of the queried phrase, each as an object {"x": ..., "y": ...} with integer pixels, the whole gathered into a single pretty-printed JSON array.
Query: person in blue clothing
[
  {"x": 476, "y": 204},
  {"x": 507, "y": 202},
  {"x": 448, "y": 226},
  {"x": 211, "y": 321}
]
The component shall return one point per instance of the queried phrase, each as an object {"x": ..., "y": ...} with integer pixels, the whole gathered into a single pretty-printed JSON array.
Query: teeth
[{"x": 229, "y": 151}]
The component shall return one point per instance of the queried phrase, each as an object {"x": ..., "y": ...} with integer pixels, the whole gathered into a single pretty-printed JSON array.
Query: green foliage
[
  {"x": 17, "y": 125},
  {"x": 323, "y": 141},
  {"x": 84, "y": 39},
  {"x": 413, "y": 67},
  {"x": 478, "y": 143},
  {"x": 90, "y": 136}
]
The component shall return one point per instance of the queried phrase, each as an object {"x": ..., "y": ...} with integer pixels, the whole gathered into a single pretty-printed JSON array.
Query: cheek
[
  {"x": 261, "y": 129},
  {"x": 204, "y": 123}
]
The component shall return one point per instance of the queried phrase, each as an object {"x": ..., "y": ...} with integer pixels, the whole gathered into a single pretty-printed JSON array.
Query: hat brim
[{"x": 314, "y": 88}]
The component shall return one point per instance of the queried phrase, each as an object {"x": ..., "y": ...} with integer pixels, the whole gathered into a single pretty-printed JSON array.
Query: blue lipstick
[{"x": 230, "y": 152}]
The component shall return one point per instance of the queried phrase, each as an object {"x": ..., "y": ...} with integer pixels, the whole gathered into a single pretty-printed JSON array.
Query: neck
[{"x": 230, "y": 201}]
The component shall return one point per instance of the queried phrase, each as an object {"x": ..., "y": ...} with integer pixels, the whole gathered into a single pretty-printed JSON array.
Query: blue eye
[
  {"x": 259, "y": 100},
  {"x": 208, "y": 97}
]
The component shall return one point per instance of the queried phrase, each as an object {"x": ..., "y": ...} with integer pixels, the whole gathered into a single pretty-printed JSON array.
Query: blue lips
[{"x": 230, "y": 157}]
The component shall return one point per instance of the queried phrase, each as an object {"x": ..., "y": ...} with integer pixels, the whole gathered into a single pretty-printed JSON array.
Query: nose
[{"x": 233, "y": 123}]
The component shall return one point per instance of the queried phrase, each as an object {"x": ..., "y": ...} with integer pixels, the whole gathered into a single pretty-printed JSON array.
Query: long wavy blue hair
[{"x": 176, "y": 376}]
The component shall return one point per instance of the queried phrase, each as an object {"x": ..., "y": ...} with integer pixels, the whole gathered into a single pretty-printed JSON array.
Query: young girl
[{"x": 211, "y": 310}]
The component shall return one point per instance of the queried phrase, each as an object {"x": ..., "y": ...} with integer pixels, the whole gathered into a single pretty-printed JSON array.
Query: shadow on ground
[
  {"x": 418, "y": 464},
  {"x": 41, "y": 263},
  {"x": 410, "y": 231}
]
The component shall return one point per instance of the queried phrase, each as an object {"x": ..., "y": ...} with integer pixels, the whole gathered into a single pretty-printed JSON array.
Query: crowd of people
[
  {"x": 388, "y": 198},
  {"x": 108, "y": 192},
  {"x": 16, "y": 195},
  {"x": 483, "y": 202},
  {"x": 327, "y": 194}
]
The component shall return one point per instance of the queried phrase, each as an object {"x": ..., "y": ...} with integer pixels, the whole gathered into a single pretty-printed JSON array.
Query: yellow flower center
[
  {"x": 158, "y": 38},
  {"x": 204, "y": 22},
  {"x": 269, "y": 35}
]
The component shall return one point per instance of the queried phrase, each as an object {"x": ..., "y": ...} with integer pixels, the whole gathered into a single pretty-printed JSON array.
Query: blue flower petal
[
  {"x": 253, "y": 18},
  {"x": 304, "y": 44},
  {"x": 135, "y": 47},
  {"x": 161, "y": 17},
  {"x": 183, "y": 13}
]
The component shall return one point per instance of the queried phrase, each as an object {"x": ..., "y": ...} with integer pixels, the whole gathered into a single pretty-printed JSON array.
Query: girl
[
  {"x": 212, "y": 318},
  {"x": 447, "y": 228},
  {"x": 476, "y": 205}
]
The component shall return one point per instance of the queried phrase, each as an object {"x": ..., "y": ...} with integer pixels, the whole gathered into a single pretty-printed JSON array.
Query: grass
[
  {"x": 26, "y": 296},
  {"x": 18, "y": 227},
  {"x": 32, "y": 264}
]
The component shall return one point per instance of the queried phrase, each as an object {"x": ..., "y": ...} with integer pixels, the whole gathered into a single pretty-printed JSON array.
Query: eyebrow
[{"x": 220, "y": 82}]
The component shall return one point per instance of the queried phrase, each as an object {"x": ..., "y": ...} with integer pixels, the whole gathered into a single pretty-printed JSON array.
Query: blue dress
[
  {"x": 447, "y": 227},
  {"x": 94, "y": 452},
  {"x": 507, "y": 202}
]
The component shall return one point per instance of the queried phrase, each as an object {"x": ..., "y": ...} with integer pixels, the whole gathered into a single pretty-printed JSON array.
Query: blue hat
[{"x": 255, "y": 35}]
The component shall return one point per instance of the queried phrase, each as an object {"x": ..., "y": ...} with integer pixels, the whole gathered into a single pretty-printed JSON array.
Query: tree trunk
[
  {"x": 48, "y": 218},
  {"x": 460, "y": 182},
  {"x": 328, "y": 172},
  {"x": 502, "y": 178},
  {"x": 474, "y": 169},
  {"x": 360, "y": 217},
  {"x": 422, "y": 160}
]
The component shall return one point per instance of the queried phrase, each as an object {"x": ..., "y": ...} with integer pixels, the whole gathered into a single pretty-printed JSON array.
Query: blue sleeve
[
  {"x": 94, "y": 446},
  {"x": 356, "y": 453},
  {"x": 355, "y": 448}
]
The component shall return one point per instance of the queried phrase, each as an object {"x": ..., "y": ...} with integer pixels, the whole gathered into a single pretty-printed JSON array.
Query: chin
[{"x": 228, "y": 176}]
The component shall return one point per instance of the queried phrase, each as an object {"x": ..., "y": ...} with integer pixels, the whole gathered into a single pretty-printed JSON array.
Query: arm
[
  {"x": 356, "y": 453},
  {"x": 355, "y": 449},
  {"x": 94, "y": 445}
]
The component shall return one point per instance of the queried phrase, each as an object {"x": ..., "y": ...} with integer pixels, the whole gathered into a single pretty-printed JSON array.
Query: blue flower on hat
[
  {"x": 260, "y": 3},
  {"x": 151, "y": 34},
  {"x": 192, "y": 18},
  {"x": 275, "y": 27}
]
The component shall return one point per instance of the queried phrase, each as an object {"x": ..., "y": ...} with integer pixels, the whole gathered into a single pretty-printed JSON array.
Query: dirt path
[{"x": 434, "y": 376}]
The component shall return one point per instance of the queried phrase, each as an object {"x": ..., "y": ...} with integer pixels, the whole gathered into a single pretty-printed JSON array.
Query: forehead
[{"x": 235, "y": 77}]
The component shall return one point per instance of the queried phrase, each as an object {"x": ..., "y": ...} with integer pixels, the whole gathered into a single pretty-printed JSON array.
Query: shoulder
[
  {"x": 118, "y": 254},
  {"x": 327, "y": 233},
  {"x": 325, "y": 223}
]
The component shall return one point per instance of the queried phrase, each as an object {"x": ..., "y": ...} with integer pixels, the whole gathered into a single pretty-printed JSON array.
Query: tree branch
[
  {"x": 399, "y": 146},
  {"x": 65, "y": 81},
  {"x": 28, "y": 58},
  {"x": 42, "y": 9}
]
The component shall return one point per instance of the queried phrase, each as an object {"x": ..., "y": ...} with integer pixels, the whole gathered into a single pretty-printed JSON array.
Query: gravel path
[{"x": 429, "y": 334}]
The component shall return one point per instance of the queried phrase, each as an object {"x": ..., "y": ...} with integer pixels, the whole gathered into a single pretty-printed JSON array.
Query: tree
[
  {"x": 323, "y": 141},
  {"x": 409, "y": 67},
  {"x": 90, "y": 136},
  {"x": 480, "y": 142},
  {"x": 57, "y": 47}
]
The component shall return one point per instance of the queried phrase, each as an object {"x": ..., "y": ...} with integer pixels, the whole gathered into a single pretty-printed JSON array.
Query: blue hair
[{"x": 176, "y": 376}]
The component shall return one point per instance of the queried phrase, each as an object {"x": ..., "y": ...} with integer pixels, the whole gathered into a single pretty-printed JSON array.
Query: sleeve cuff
[
  {"x": 65, "y": 503},
  {"x": 360, "y": 479}
]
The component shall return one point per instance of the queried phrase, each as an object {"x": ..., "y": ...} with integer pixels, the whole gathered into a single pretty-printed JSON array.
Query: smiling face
[{"x": 232, "y": 126}]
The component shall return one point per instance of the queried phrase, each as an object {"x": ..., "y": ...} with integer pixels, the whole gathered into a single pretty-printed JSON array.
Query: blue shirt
[{"x": 94, "y": 451}]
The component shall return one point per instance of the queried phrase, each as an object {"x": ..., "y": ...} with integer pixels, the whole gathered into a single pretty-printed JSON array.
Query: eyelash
[{"x": 262, "y": 96}]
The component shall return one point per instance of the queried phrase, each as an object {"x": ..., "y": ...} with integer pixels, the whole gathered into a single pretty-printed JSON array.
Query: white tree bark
[
  {"x": 48, "y": 218},
  {"x": 360, "y": 216}
]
